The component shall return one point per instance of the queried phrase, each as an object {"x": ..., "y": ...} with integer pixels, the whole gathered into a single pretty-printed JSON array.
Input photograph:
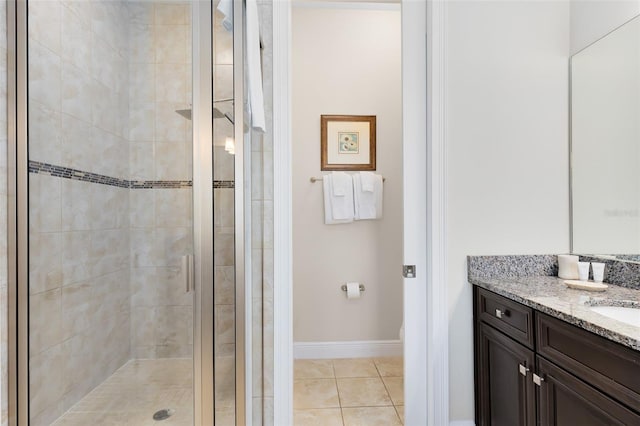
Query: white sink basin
[{"x": 619, "y": 313}]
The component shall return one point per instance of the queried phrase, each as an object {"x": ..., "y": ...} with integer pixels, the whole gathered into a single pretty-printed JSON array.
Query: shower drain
[{"x": 163, "y": 414}]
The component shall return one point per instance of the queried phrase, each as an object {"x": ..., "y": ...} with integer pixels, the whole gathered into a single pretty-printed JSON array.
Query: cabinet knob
[
  {"x": 500, "y": 313},
  {"x": 523, "y": 370},
  {"x": 537, "y": 379}
]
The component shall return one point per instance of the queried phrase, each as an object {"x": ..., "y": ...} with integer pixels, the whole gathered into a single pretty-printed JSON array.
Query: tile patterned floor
[
  {"x": 135, "y": 392},
  {"x": 348, "y": 392}
]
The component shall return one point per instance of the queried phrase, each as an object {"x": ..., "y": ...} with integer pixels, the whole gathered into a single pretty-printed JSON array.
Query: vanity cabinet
[
  {"x": 531, "y": 368},
  {"x": 506, "y": 395}
]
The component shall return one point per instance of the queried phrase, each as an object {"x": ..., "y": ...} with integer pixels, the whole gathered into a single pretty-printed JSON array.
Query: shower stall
[{"x": 129, "y": 276}]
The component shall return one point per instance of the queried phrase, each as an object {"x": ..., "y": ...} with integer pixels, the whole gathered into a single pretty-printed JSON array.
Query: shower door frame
[
  {"x": 202, "y": 121},
  {"x": 17, "y": 218}
]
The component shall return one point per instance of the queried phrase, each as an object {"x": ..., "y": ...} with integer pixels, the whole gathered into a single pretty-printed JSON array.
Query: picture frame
[{"x": 347, "y": 142}]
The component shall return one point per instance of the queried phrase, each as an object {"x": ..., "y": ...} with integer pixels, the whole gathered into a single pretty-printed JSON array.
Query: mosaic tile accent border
[{"x": 69, "y": 173}]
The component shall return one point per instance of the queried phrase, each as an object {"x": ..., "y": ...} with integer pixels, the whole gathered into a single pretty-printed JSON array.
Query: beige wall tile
[
  {"x": 45, "y": 18},
  {"x": 77, "y": 92},
  {"x": 172, "y": 14},
  {"x": 144, "y": 287},
  {"x": 76, "y": 143},
  {"x": 172, "y": 82},
  {"x": 170, "y": 126},
  {"x": 44, "y": 203},
  {"x": 76, "y": 197},
  {"x": 45, "y": 76},
  {"x": 45, "y": 378},
  {"x": 171, "y": 288},
  {"x": 44, "y": 133},
  {"x": 173, "y": 207},
  {"x": 142, "y": 119},
  {"x": 224, "y": 287},
  {"x": 223, "y": 249},
  {"x": 170, "y": 43},
  {"x": 77, "y": 309},
  {"x": 223, "y": 202},
  {"x": 174, "y": 325},
  {"x": 45, "y": 320},
  {"x": 45, "y": 266},
  {"x": 142, "y": 208},
  {"x": 174, "y": 351},
  {"x": 172, "y": 244},
  {"x": 224, "y": 323},
  {"x": 76, "y": 256}
]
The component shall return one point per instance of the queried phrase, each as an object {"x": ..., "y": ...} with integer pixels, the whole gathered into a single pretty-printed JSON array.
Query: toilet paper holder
[{"x": 344, "y": 287}]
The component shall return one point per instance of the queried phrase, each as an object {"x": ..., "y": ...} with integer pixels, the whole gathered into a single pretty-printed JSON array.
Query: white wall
[
  {"x": 508, "y": 150},
  {"x": 592, "y": 19},
  {"x": 346, "y": 61}
]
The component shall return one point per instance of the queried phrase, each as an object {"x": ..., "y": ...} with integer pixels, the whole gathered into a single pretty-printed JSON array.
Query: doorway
[
  {"x": 346, "y": 63},
  {"x": 424, "y": 235}
]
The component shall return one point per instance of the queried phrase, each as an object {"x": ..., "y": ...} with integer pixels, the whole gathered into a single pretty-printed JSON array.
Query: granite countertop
[{"x": 550, "y": 295}]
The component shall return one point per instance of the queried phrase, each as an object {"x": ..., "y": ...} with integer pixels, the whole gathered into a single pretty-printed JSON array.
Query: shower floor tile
[
  {"x": 370, "y": 392},
  {"x": 135, "y": 392}
]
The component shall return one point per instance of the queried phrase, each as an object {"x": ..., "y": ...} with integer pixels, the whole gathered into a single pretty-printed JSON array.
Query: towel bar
[{"x": 314, "y": 179}]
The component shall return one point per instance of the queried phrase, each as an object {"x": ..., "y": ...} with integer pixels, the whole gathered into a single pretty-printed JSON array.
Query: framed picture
[{"x": 348, "y": 142}]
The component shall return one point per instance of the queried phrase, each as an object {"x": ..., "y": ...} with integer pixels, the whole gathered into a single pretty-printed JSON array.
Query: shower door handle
[{"x": 187, "y": 272}]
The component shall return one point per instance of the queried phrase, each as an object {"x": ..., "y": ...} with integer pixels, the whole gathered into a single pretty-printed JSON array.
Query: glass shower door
[{"x": 111, "y": 308}]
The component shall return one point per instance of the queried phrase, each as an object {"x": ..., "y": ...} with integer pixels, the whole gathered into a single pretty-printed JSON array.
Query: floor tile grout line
[{"x": 333, "y": 368}]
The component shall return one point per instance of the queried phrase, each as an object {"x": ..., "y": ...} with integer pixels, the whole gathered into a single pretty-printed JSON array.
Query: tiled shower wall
[
  {"x": 3, "y": 215},
  {"x": 160, "y": 151},
  {"x": 224, "y": 221},
  {"x": 79, "y": 231},
  {"x": 263, "y": 176}
]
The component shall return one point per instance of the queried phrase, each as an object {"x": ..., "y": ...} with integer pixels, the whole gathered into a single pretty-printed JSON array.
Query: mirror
[{"x": 605, "y": 145}]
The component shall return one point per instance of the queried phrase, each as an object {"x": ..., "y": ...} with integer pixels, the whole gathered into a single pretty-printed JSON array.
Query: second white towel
[
  {"x": 367, "y": 196},
  {"x": 338, "y": 198}
]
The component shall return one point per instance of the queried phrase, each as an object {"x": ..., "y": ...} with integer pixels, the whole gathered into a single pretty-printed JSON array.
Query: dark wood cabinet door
[
  {"x": 506, "y": 391},
  {"x": 567, "y": 401}
]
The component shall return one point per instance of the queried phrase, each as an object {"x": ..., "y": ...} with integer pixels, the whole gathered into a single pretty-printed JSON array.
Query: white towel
[
  {"x": 341, "y": 183},
  {"x": 226, "y": 8},
  {"x": 254, "y": 67},
  {"x": 337, "y": 209},
  {"x": 368, "y": 180},
  {"x": 367, "y": 205}
]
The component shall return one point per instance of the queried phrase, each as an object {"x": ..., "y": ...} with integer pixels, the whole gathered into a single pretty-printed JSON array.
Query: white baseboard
[
  {"x": 462, "y": 423},
  {"x": 354, "y": 349}
]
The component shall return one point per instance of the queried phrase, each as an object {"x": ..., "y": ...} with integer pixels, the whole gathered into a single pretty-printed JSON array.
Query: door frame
[{"x": 428, "y": 336}]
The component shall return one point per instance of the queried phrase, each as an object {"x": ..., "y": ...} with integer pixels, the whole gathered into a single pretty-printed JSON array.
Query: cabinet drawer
[
  {"x": 608, "y": 366},
  {"x": 512, "y": 318}
]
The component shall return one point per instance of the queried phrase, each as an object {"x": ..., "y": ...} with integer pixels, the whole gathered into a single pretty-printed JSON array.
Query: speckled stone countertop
[{"x": 550, "y": 295}]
